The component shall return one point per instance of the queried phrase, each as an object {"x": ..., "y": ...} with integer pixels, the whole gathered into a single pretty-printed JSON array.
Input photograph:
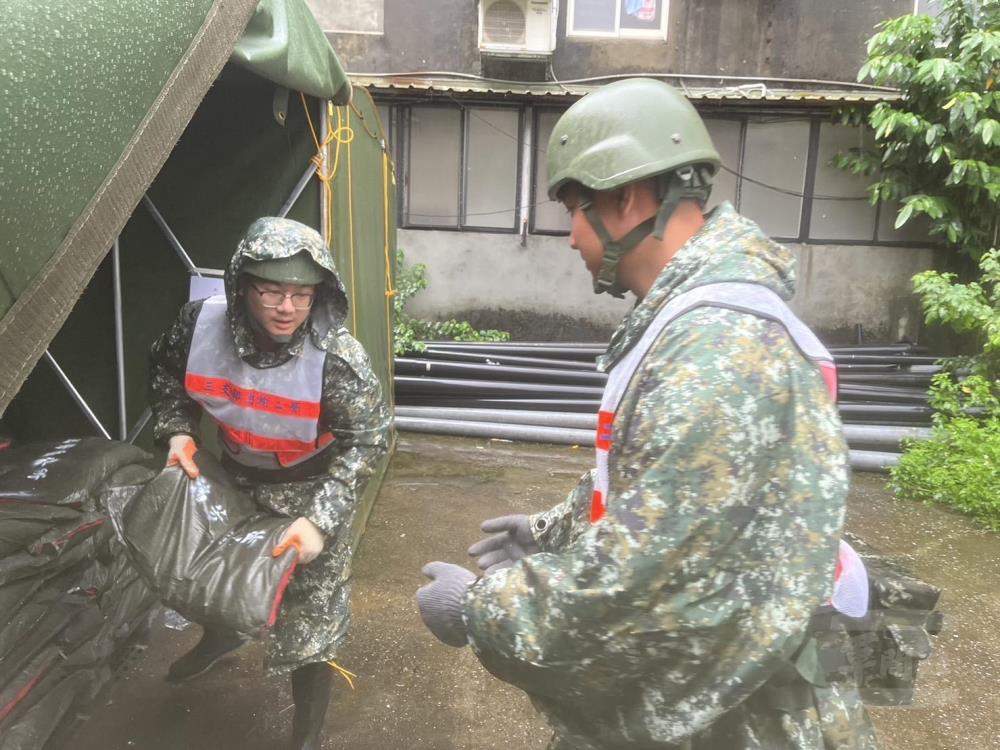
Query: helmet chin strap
[{"x": 684, "y": 183}]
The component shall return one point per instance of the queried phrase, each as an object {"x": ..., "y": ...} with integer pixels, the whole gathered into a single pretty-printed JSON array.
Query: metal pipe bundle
[{"x": 550, "y": 392}]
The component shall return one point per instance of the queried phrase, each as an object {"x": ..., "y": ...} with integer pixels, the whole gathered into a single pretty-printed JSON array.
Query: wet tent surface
[{"x": 415, "y": 693}]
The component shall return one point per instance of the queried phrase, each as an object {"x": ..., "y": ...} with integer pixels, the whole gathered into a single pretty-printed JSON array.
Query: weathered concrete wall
[
  {"x": 842, "y": 285},
  {"x": 768, "y": 38},
  {"x": 417, "y": 36},
  {"x": 491, "y": 280},
  {"x": 543, "y": 292}
]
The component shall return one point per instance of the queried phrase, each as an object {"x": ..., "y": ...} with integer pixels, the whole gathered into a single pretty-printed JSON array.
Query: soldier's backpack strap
[
  {"x": 851, "y": 579},
  {"x": 753, "y": 299}
]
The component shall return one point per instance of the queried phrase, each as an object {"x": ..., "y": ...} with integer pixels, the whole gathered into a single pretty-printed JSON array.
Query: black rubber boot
[
  {"x": 214, "y": 644},
  {"x": 311, "y": 691}
]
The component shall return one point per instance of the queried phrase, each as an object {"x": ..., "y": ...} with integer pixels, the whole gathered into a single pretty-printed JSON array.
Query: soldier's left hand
[
  {"x": 442, "y": 602},
  {"x": 305, "y": 536}
]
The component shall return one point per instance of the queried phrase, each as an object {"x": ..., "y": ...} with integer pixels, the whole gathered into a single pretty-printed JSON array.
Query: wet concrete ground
[{"x": 413, "y": 692}]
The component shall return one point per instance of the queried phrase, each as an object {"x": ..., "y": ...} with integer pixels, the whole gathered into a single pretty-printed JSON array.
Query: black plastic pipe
[
  {"x": 440, "y": 369},
  {"x": 491, "y": 388},
  {"x": 575, "y": 405},
  {"x": 885, "y": 414},
  {"x": 886, "y": 359},
  {"x": 454, "y": 355}
]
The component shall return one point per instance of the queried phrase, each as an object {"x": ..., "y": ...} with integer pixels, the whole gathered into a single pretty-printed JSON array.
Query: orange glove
[
  {"x": 305, "y": 536},
  {"x": 182, "y": 450}
]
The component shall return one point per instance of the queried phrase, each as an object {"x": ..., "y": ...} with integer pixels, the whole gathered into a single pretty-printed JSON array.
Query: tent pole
[
  {"x": 171, "y": 238},
  {"x": 119, "y": 340},
  {"x": 324, "y": 206},
  {"x": 527, "y": 148},
  {"x": 139, "y": 426},
  {"x": 297, "y": 190},
  {"x": 91, "y": 417}
]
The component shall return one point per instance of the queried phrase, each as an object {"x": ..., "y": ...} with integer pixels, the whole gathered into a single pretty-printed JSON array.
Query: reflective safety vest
[
  {"x": 851, "y": 580},
  {"x": 268, "y": 418}
]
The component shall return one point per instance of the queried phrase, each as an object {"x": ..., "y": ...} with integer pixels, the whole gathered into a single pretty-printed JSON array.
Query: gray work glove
[
  {"x": 513, "y": 542},
  {"x": 442, "y": 601}
]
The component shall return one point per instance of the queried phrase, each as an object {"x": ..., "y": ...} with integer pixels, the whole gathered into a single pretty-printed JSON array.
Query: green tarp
[
  {"x": 284, "y": 44},
  {"x": 110, "y": 100},
  {"x": 95, "y": 93}
]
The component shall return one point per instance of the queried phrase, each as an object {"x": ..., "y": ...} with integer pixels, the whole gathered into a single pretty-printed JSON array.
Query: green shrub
[
  {"x": 959, "y": 466},
  {"x": 410, "y": 332}
]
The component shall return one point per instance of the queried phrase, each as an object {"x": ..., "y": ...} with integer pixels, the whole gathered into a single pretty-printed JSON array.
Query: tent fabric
[
  {"x": 360, "y": 228},
  {"x": 284, "y": 44},
  {"x": 92, "y": 109},
  {"x": 96, "y": 102}
]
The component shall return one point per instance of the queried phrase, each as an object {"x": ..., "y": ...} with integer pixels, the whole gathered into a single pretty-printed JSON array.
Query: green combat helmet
[
  {"x": 296, "y": 269},
  {"x": 624, "y": 132}
]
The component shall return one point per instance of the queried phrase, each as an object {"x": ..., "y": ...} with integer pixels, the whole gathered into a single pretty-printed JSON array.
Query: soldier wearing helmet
[
  {"x": 302, "y": 425},
  {"x": 666, "y": 603}
]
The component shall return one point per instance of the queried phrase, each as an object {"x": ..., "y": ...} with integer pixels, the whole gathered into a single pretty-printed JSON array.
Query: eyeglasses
[{"x": 273, "y": 299}]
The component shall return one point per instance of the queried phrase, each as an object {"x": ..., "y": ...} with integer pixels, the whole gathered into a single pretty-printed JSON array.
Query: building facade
[{"x": 469, "y": 92}]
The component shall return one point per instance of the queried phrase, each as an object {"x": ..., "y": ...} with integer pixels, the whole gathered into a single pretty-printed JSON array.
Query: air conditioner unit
[{"x": 517, "y": 28}]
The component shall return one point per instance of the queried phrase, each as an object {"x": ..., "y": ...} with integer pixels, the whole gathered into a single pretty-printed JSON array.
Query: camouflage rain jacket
[
  {"x": 313, "y": 618},
  {"x": 679, "y": 619}
]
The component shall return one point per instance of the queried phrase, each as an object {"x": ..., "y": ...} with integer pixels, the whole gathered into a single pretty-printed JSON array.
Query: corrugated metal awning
[{"x": 822, "y": 93}]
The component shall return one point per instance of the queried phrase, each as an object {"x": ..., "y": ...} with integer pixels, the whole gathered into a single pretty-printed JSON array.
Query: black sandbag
[
  {"x": 17, "y": 695},
  {"x": 67, "y": 535},
  {"x": 64, "y": 473},
  {"x": 205, "y": 547},
  {"x": 23, "y": 565},
  {"x": 58, "y": 549},
  {"x": 14, "y": 595},
  {"x": 17, "y": 533},
  {"x": 881, "y": 652},
  {"x": 37, "y": 626},
  {"x": 31, "y": 729},
  {"x": 21, "y": 523}
]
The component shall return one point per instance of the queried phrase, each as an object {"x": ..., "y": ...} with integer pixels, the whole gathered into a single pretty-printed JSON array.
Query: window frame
[
  {"x": 524, "y": 213},
  {"x": 815, "y": 121},
  {"x": 619, "y": 33},
  {"x": 537, "y": 189},
  {"x": 402, "y": 112}
]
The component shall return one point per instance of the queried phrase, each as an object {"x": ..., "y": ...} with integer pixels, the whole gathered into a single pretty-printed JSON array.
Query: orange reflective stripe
[
  {"x": 829, "y": 372},
  {"x": 605, "y": 420},
  {"x": 596, "y": 506},
  {"x": 286, "y": 458},
  {"x": 261, "y": 443},
  {"x": 248, "y": 398}
]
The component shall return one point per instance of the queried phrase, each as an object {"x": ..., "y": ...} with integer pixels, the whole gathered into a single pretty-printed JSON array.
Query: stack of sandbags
[{"x": 71, "y": 606}]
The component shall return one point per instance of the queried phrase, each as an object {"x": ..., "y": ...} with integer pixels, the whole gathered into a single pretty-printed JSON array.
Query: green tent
[{"x": 135, "y": 154}]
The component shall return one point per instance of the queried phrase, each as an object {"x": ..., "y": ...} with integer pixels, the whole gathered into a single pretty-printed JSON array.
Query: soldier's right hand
[
  {"x": 512, "y": 541},
  {"x": 182, "y": 450}
]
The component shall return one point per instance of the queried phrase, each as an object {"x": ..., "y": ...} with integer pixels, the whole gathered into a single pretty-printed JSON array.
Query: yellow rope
[
  {"x": 326, "y": 178},
  {"x": 390, "y": 291},
  {"x": 345, "y": 673},
  {"x": 344, "y": 134}
]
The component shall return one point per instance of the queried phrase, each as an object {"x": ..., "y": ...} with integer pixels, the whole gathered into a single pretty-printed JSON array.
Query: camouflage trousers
[
  {"x": 796, "y": 716},
  {"x": 314, "y": 616}
]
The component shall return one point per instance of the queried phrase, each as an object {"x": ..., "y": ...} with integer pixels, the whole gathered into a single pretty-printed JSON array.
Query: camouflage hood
[
  {"x": 728, "y": 247},
  {"x": 271, "y": 238}
]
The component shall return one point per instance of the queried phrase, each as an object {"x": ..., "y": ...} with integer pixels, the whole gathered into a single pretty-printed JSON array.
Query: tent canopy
[{"x": 94, "y": 99}]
